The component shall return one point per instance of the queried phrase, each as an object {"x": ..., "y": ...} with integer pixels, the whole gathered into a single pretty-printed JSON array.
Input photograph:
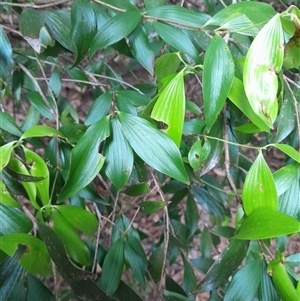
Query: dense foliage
[{"x": 173, "y": 94}]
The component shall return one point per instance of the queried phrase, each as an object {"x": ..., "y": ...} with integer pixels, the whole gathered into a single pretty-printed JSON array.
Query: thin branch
[
  {"x": 12, "y": 30},
  {"x": 24, "y": 5},
  {"x": 110, "y": 6},
  {"x": 32, "y": 218},
  {"x": 291, "y": 81},
  {"x": 75, "y": 81},
  {"x": 132, "y": 220}
]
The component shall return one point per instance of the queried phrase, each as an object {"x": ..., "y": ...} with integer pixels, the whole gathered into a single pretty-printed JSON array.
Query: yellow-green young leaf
[
  {"x": 5, "y": 153},
  {"x": 41, "y": 131},
  {"x": 6, "y": 198},
  {"x": 264, "y": 223},
  {"x": 170, "y": 108},
  {"x": 263, "y": 62},
  {"x": 80, "y": 218},
  {"x": 218, "y": 76},
  {"x": 75, "y": 247},
  {"x": 199, "y": 153},
  {"x": 259, "y": 189},
  {"x": 35, "y": 259},
  {"x": 30, "y": 187}
]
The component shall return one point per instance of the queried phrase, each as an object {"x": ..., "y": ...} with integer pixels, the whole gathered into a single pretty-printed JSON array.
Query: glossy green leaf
[
  {"x": 57, "y": 26},
  {"x": 189, "y": 278},
  {"x": 79, "y": 280},
  {"x": 265, "y": 223},
  {"x": 289, "y": 150},
  {"x": 30, "y": 187},
  {"x": 5, "y": 153},
  {"x": 114, "y": 30},
  {"x": 86, "y": 162},
  {"x": 137, "y": 189},
  {"x": 199, "y": 153},
  {"x": 285, "y": 177},
  {"x": 90, "y": 194},
  {"x": 156, "y": 261},
  {"x": 141, "y": 49},
  {"x": 180, "y": 16},
  {"x": 55, "y": 82},
  {"x": 41, "y": 131},
  {"x": 35, "y": 287},
  {"x": 193, "y": 126},
  {"x": 172, "y": 296},
  {"x": 191, "y": 214},
  {"x": 240, "y": 288},
  {"x": 9, "y": 125},
  {"x": 32, "y": 118},
  {"x": 218, "y": 75},
  {"x": 83, "y": 26},
  {"x": 113, "y": 267},
  {"x": 38, "y": 168},
  {"x": 259, "y": 189},
  {"x": 238, "y": 96},
  {"x": 6, "y": 55},
  {"x": 177, "y": 39},
  {"x": 148, "y": 142},
  {"x": 135, "y": 98},
  {"x": 80, "y": 218},
  {"x": 170, "y": 107},
  {"x": 13, "y": 220},
  {"x": 263, "y": 62},
  {"x": 5, "y": 197},
  {"x": 228, "y": 261},
  {"x": 119, "y": 156},
  {"x": 126, "y": 5},
  {"x": 135, "y": 256},
  {"x": 10, "y": 273},
  {"x": 35, "y": 259},
  {"x": 75, "y": 247},
  {"x": 151, "y": 206}
]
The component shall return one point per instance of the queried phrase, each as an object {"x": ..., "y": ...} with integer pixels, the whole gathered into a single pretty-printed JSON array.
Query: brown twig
[{"x": 24, "y": 5}]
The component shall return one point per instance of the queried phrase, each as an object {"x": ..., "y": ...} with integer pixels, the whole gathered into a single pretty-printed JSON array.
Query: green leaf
[
  {"x": 156, "y": 261},
  {"x": 13, "y": 220},
  {"x": 179, "y": 15},
  {"x": 119, "y": 156},
  {"x": 193, "y": 126},
  {"x": 83, "y": 26},
  {"x": 172, "y": 296},
  {"x": 55, "y": 82},
  {"x": 135, "y": 256},
  {"x": 289, "y": 150},
  {"x": 141, "y": 49},
  {"x": 189, "y": 278},
  {"x": 5, "y": 153},
  {"x": 80, "y": 218},
  {"x": 5, "y": 197},
  {"x": 114, "y": 30},
  {"x": 35, "y": 259},
  {"x": 177, "y": 39},
  {"x": 148, "y": 142},
  {"x": 150, "y": 207},
  {"x": 137, "y": 189},
  {"x": 58, "y": 27},
  {"x": 238, "y": 96},
  {"x": 240, "y": 288},
  {"x": 218, "y": 75},
  {"x": 9, "y": 125},
  {"x": 36, "y": 288},
  {"x": 170, "y": 108},
  {"x": 228, "y": 261},
  {"x": 75, "y": 247},
  {"x": 86, "y": 162},
  {"x": 265, "y": 223},
  {"x": 259, "y": 188},
  {"x": 285, "y": 177},
  {"x": 41, "y": 131},
  {"x": 135, "y": 98},
  {"x": 263, "y": 62},
  {"x": 79, "y": 280},
  {"x": 6, "y": 55},
  {"x": 113, "y": 267},
  {"x": 191, "y": 214},
  {"x": 198, "y": 153}
]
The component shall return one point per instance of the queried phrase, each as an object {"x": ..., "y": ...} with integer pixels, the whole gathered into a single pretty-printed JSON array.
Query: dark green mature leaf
[
  {"x": 36, "y": 259},
  {"x": 259, "y": 189},
  {"x": 193, "y": 126},
  {"x": 10, "y": 272},
  {"x": 218, "y": 75},
  {"x": 181, "y": 16},
  {"x": 156, "y": 261},
  {"x": 58, "y": 28},
  {"x": 114, "y": 30},
  {"x": 9, "y": 125},
  {"x": 113, "y": 267},
  {"x": 31, "y": 23},
  {"x": 126, "y": 5},
  {"x": 137, "y": 189},
  {"x": 83, "y": 26},
  {"x": 240, "y": 288},
  {"x": 79, "y": 280},
  {"x": 37, "y": 290},
  {"x": 6, "y": 55},
  {"x": 172, "y": 296},
  {"x": 265, "y": 223},
  {"x": 135, "y": 98},
  {"x": 153, "y": 146},
  {"x": 228, "y": 261},
  {"x": 86, "y": 162},
  {"x": 119, "y": 156},
  {"x": 177, "y": 39},
  {"x": 189, "y": 278},
  {"x": 141, "y": 49},
  {"x": 151, "y": 206},
  {"x": 191, "y": 214}
]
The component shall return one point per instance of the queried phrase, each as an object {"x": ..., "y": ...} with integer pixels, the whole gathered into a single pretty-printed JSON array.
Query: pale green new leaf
[
  {"x": 259, "y": 188},
  {"x": 5, "y": 153},
  {"x": 153, "y": 146},
  {"x": 170, "y": 108},
  {"x": 86, "y": 161},
  {"x": 264, "y": 223},
  {"x": 218, "y": 76},
  {"x": 114, "y": 30},
  {"x": 263, "y": 62},
  {"x": 41, "y": 131}
]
